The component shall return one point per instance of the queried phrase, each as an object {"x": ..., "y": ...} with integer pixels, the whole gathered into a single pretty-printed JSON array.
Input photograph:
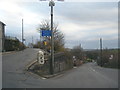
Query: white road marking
[
  {"x": 43, "y": 78},
  {"x": 92, "y": 69},
  {"x": 74, "y": 67}
]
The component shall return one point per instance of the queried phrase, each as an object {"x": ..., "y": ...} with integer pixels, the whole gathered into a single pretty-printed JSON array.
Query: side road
[{"x": 13, "y": 65}]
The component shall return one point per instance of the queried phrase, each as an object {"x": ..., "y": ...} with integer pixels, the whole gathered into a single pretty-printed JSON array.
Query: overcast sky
[{"x": 81, "y": 22}]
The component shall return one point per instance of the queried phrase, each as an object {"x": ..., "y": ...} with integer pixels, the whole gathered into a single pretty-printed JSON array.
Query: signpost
[
  {"x": 45, "y": 42},
  {"x": 51, "y": 4}
]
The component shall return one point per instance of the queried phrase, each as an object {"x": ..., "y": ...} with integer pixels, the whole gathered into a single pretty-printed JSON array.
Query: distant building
[{"x": 2, "y": 36}]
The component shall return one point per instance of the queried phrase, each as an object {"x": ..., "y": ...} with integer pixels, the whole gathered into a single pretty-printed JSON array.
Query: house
[{"x": 2, "y": 36}]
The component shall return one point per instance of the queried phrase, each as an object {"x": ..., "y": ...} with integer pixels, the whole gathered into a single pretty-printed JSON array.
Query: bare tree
[
  {"x": 58, "y": 35},
  {"x": 78, "y": 52}
]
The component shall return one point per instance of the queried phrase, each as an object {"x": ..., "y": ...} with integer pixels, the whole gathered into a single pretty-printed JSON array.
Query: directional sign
[{"x": 46, "y": 32}]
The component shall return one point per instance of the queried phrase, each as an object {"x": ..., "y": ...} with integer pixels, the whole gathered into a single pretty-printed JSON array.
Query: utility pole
[
  {"x": 32, "y": 39},
  {"x": 101, "y": 51},
  {"x": 22, "y": 32}
]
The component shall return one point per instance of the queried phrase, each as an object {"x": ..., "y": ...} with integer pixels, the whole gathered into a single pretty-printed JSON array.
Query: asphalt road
[
  {"x": 13, "y": 66},
  {"x": 0, "y": 70},
  {"x": 86, "y": 76}
]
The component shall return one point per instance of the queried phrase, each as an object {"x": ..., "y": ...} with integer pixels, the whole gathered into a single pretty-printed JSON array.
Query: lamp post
[{"x": 51, "y": 4}]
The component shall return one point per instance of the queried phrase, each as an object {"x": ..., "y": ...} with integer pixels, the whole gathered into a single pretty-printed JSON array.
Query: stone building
[{"x": 2, "y": 36}]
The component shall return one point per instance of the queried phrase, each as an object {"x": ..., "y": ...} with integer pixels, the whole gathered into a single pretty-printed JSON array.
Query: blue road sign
[{"x": 46, "y": 32}]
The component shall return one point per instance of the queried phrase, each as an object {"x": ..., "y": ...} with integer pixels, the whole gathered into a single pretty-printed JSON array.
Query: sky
[{"x": 81, "y": 22}]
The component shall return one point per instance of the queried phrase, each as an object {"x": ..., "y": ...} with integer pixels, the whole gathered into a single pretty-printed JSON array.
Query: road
[
  {"x": 88, "y": 75},
  {"x": 0, "y": 70},
  {"x": 14, "y": 66}
]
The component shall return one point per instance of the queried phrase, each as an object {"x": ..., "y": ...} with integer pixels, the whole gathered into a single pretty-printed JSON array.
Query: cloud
[
  {"x": 87, "y": 22},
  {"x": 80, "y": 31},
  {"x": 72, "y": 31},
  {"x": 92, "y": 0},
  {"x": 83, "y": 12},
  {"x": 12, "y": 14},
  {"x": 105, "y": 38},
  {"x": 80, "y": 22},
  {"x": 14, "y": 11},
  {"x": 64, "y": 0}
]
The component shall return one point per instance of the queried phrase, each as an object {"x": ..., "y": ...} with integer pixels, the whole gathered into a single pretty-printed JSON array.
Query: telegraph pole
[
  {"x": 101, "y": 51},
  {"x": 22, "y": 31},
  {"x": 32, "y": 42},
  {"x": 32, "y": 39}
]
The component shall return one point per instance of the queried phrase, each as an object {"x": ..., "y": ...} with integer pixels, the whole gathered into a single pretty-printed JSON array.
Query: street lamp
[{"x": 51, "y": 4}]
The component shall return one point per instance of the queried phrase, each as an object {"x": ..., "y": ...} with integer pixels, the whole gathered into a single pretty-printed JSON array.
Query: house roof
[{"x": 2, "y": 23}]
